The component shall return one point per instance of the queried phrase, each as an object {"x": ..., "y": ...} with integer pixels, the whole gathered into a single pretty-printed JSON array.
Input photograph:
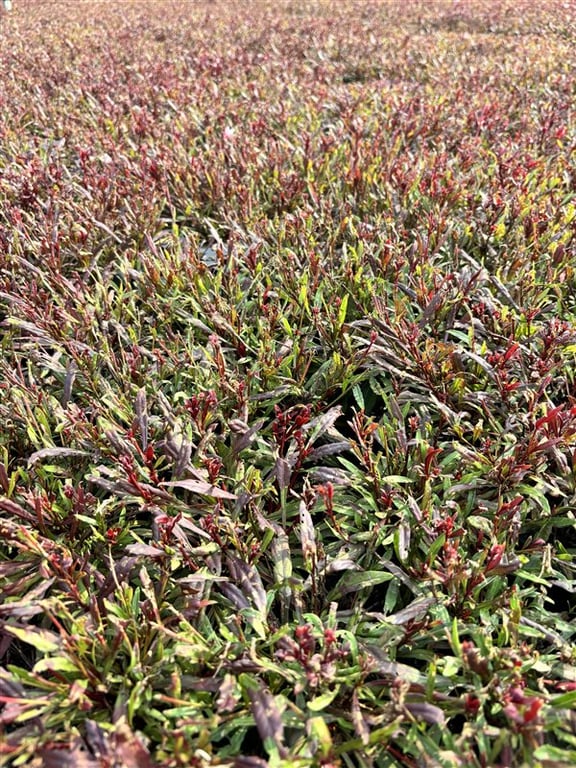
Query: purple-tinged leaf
[
  {"x": 360, "y": 724},
  {"x": 319, "y": 425},
  {"x": 199, "y": 579},
  {"x": 429, "y": 310},
  {"x": 129, "y": 750},
  {"x": 227, "y": 694},
  {"x": 282, "y": 473},
  {"x": 26, "y": 608},
  {"x": 77, "y": 757},
  {"x": 429, "y": 713},
  {"x": 249, "y": 581},
  {"x": 55, "y": 453},
  {"x": 242, "y": 438},
  {"x": 330, "y": 475},
  {"x": 392, "y": 669},
  {"x": 4, "y": 479},
  {"x": 235, "y": 595},
  {"x": 182, "y": 459},
  {"x": 272, "y": 394},
  {"x": 307, "y": 535},
  {"x": 266, "y": 524},
  {"x": 97, "y": 739},
  {"x": 122, "y": 571},
  {"x": 330, "y": 449},
  {"x": 200, "y": 487},
  {"x": 145, "y": 549},
  {"x": 242, "y": 665},
  {"x": 267, "y": 717},
  {"x": 9, "y": 686},
  {"x": 188, "y": 525},
  {"x": 250, "y": 762},
  {"x": 71, "y": 370},
  {"x": 15, "y": 509},
  {"x": 415, "y": 611},
  {"x": 141, "y": 409}
]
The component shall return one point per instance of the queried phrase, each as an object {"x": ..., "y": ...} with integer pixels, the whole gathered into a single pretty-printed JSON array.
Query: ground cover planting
[{"x": 287, "y": 384}]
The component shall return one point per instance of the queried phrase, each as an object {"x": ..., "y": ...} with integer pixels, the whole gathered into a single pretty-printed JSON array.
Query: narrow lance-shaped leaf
[
  {"x": 319, "y": 425},
  {"x": 16, "y": 510},
  {"x": 282, "y": 473},
  {"x": 268, "y": 718},
  {"x": 356, "y": 580},
  {"x": 429, "y": 713},
  {"x": 200, "y": 487},
  {"x": 360, "y": 724},
  {"x": 69, "y": 379},
  {"x": 307, "y": 536},
  {"x": 141, "y": 409},
  {"x": 55, "y": 453},
  {"x": 42, "y": 639},
  {"x": 249, "y": 581}
]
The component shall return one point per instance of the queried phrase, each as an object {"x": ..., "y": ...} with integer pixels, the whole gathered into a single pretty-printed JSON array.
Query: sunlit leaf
[
  {"x": 42, "y": 640},
  {"x": 200, "y": 487}
]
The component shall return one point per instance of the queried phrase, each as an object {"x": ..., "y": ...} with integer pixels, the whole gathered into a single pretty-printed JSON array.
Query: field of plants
[{"x": 288, "y": 384}]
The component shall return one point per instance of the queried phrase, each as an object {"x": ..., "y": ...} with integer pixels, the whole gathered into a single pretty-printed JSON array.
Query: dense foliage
[{"x": 288, "y": 389}]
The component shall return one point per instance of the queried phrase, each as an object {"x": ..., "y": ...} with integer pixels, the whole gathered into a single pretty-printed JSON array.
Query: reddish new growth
[
  {"x": 288, "y": 426},
  {"x": 472, "y": 704},
  {"x": 326, "y": 492},
  {"x": 519, "y": 708},
  {"x": 213, "y": 466},
  {"x": 127, "y": 463},
  {"x": 502, "y": 363},
  {"x": 201, "y": 408},
  {"x": 494, "y": 556},
  {"x": 149, "y": 459},
  {"x": 319, "y": 663}
]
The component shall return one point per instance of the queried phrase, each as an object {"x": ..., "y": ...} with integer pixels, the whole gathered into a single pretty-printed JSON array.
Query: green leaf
[
  {"x": 322, "y": 701},
  {"x": 435, "y": 547},
  {"x": 480, "y": 523},
  {"x": 455, "y": 638},
  {"x": 566, "y": 756},
  {"x": 342, "y": 310},
  {"x": 358, "y": 396},
  {"x": 451, "y": 667},
  {"x": 355, "y": 580},
  {"x": 280, "y": 549},
  {"x": 318, "y": 731},
  {"x": 55, "y": 664},
  {"x": 396, "y": 480},
  {"x": 522, "y": 574},
  {"x": 377, "y": 736},
  {"x": 41, "y": 639},
  {"x": 564, "y": 700},
  {"x": 28, "y": 714}
]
